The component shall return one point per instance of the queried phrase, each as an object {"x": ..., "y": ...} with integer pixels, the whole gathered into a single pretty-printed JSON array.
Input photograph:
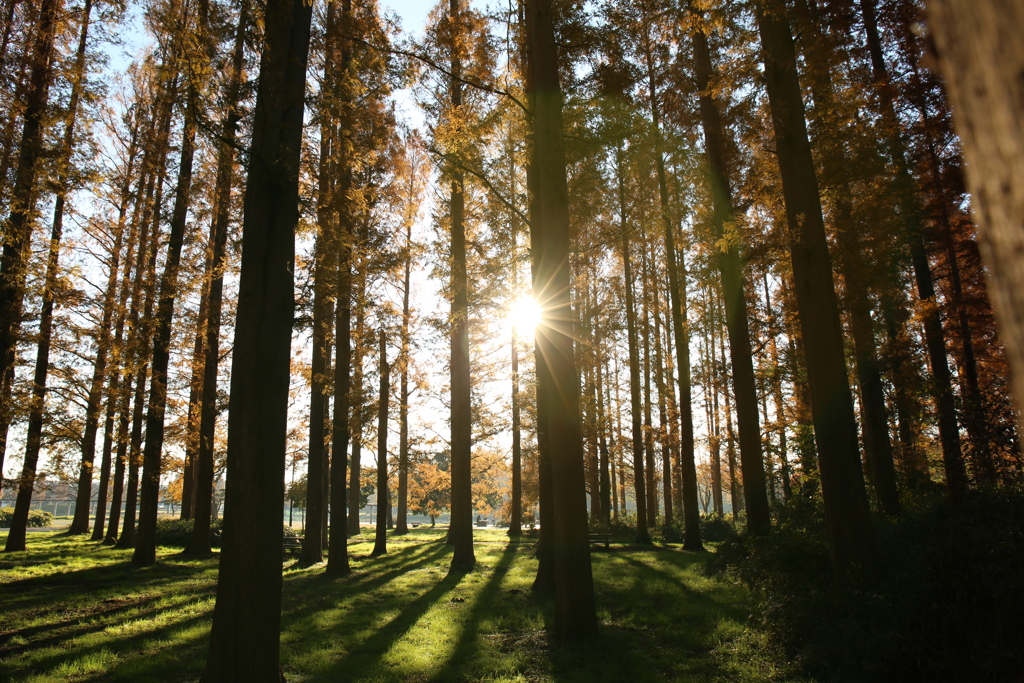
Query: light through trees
[{"x": 524, "y": 316}]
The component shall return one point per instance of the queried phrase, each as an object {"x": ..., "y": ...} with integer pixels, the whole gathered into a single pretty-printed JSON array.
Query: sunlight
[{"x": 524, "y": 314}]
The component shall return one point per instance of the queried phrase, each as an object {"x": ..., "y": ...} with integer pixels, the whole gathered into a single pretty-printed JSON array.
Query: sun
[{"x": 524, "y": 314}]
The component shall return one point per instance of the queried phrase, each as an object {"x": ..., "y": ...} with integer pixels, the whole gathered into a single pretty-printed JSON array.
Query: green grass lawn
[{"x": 76, "y": 611}]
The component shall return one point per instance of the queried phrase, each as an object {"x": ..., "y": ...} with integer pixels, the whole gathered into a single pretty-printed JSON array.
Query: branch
[
  {"x": 487, "y": 183},
  {"x": 434, "y": 65}
]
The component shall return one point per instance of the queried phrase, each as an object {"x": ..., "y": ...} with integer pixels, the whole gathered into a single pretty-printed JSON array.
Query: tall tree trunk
[
  {"x": 245, "y": 638},
  {"x": 913, "y": 217},
  {"x": 460, "y": 533},
  {"x": 515, "y": 526},
  {"x": 663, "y": 420},
  {"x": 730, "y": 268},
  {"x": 341, "y": 517},
  {"x": 380, "y": 542},
  {"x": 33, "y": 440},
  {"x": 977, "y": 49},
  {"x": 846, "y": 504},
  {"x": 356, "y": 392},
  {"x": 606, "y": 485},
  {"x": 852, "y": 267},
  {"x": 650, "y": 488},
  {"x": 18, "y": 234},
  {"x": 639, "y": 485},
  {"x": 575, "y": 613},
  {"x": 325, "y": 268},
  {"x": 199, "y": 544},
  {"x": 145, "y": 549}
]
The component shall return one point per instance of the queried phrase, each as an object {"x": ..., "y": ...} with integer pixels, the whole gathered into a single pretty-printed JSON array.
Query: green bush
[
  {"x": 36, "y": 518},
  {"x": 713, "y": 528},
  {"x": 176, "y": 533},
  {"x": 941, "y": 600}
]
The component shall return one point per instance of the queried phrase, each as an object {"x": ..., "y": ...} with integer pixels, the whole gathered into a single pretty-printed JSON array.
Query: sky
[{"x": 413, "y": 12}]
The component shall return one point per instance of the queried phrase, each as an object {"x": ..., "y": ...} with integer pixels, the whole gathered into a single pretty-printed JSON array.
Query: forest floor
[{"x": 71, "y": 610}]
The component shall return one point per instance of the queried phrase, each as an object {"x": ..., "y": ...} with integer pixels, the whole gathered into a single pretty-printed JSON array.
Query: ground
[{"x": 76, "y": 611}]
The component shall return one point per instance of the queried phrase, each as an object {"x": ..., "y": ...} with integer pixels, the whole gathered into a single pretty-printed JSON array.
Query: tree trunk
[
  {"x": 575, "y": 614},
  {"x": 245, "y": 638},
  {"x": 199, "y": 544},
  {"x": 730, "y": 268},
  {"x": 460, "y": 532},
  {"x": 913, "y": 218},
  {"x": 145, "y": 550},
  {"x": 18, "y": 231},
  {"x": 380, "y": 542},
  {"x": 846, "y": 504},
  {"x": 977, "y": 49},
  {"x": 401, "y": 525},
  {"x": 356, "y": 392},
  {"x": 639, "y": 485}
]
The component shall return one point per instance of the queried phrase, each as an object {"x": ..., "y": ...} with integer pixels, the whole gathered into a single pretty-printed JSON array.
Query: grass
[{"x": 76, "y": 611}]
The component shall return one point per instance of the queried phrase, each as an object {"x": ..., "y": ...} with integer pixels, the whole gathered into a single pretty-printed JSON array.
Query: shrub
[
  {"x": 941, "y": 600},
  {"x": 36, "y": 518},
  {"x": 713, "y": 528},
  {"x": 176, "y": 533}
]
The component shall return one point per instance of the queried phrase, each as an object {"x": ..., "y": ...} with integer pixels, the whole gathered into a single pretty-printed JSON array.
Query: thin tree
[
  {"x": 730, "y": 268},
  {"x": 461, "y": 530},
  {"x": 199, "y": 544},
  {"x": 18, "y": 231},
  {"x": 835, "y": 429},
  {"x": 380, "y": 543}
]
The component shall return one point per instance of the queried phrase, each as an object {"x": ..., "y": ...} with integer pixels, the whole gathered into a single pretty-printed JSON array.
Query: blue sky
[{"x": 413, "y": 12}]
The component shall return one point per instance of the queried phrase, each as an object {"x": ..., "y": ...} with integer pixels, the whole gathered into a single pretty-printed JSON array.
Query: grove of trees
[{"x": 746, "y": 229}]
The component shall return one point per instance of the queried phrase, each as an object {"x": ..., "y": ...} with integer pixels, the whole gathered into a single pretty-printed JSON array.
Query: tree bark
[
  {"x": 342, "y": 514},
  {"x": 846, "y": 505},
  {"x": 18, "y": 234},
  {"x": 145, "y": 549},
  {"x": 245, "y": 638},
  {"x": 913, "y": 221},
  {"x": 380, "y": 542},
  {"x": 639, "y": 485},
  {"x": 730, "y": 268},
  {"x": 976, "y": 46},
  {"x": 199, "y": 544},
  {"x": 575, "y": 613},
  {"x": 460, "y": 532}
]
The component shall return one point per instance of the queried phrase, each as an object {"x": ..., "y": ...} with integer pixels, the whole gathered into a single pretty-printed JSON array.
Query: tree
[
  {"x": 245, "y": 638},
  {"x": 14, "y": 260},
  {"x": 731, "y": 273},
  {"x": 575, "y": 613},
  {"x": 974, "y": 47},
  {"x": 835, "y": 429},
  {"x": 383, "y": 496}
]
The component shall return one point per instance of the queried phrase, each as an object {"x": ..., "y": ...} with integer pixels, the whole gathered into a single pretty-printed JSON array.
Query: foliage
[
  {"x": 176, "y": 533},
  {"x": 36, "y": 518},
  {"x": 940, "y": 601}
]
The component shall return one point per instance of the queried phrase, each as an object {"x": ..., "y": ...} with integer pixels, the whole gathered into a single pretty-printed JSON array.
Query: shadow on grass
[
  {"x": 647, "y": 574},
  {"x": 461, "y": 656},
  {"x": 364, "y": 656}
]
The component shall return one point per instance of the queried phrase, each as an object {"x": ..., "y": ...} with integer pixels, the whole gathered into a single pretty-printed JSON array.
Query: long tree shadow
[
  {"x": 461, "y": 656},
  {"x": 329, "y": 624},
  {"x": 648, "y": 573},
  {"x": 320, "y": 585},
  {"x": 364, "y": 656}
]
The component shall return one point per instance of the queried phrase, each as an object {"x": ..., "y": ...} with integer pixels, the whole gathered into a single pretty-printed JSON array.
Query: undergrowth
[{"x": 940, "y": 601}]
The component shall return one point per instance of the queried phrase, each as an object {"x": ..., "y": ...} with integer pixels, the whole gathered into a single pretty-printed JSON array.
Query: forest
[{"x": 739, "y": 281}]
